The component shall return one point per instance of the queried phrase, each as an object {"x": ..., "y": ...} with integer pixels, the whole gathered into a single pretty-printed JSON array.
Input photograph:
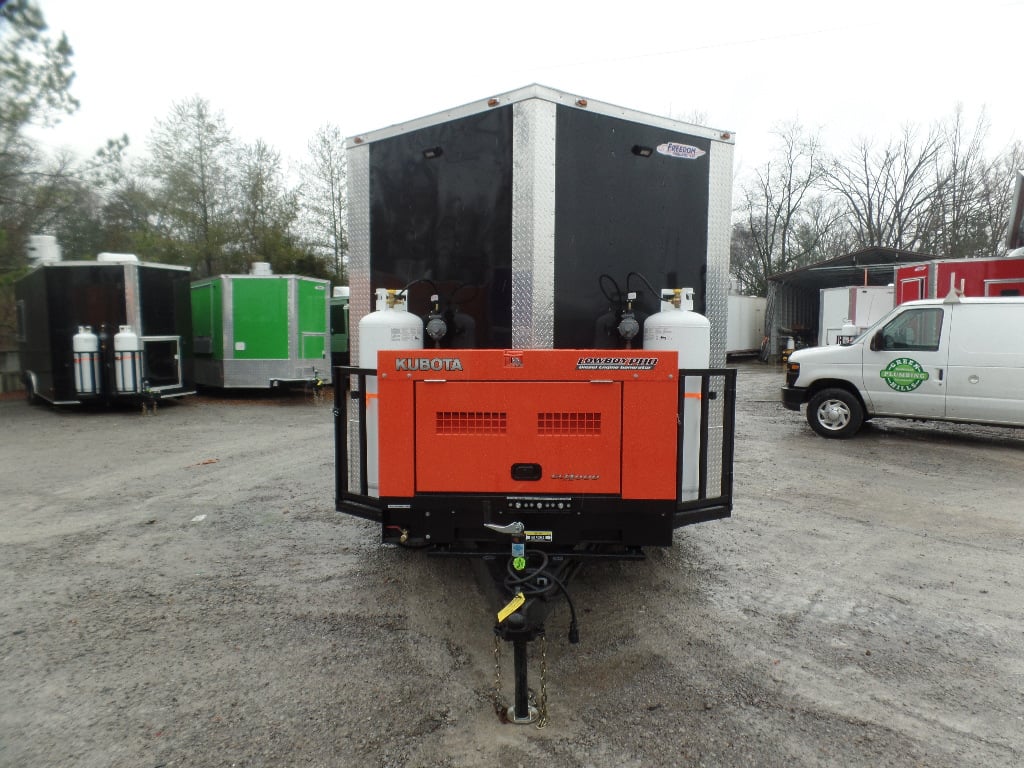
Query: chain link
[
  {"x": 542, "y": 703},
  {"x": 499, "y": 707},
  {"x": 542, "y": 720}
]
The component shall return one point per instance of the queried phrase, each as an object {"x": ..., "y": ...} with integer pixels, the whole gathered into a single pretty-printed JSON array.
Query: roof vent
[
  {"x": 118, "y": 258},
  {"x": 43, "y": 248}
]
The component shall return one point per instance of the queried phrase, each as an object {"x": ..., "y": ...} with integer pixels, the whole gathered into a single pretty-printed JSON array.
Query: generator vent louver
[
  {"x": 568, "y": 423},
  {"x": 471, "y": 422}
]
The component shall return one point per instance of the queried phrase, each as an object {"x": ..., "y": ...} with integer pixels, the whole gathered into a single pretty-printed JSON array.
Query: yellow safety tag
[{"x": 514, "y": 605}]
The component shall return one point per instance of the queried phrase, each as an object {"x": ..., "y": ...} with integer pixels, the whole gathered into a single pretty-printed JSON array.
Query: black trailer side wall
[
  {"x": 621, "y": 210},
  {"x": 441, "y": 209},
  {"x": 57, "y": 301},
  {"x": 441, "y": 202}
]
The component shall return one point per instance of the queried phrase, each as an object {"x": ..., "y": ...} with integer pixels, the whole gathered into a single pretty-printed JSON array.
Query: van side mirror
[{"x": 877, "y": 341}]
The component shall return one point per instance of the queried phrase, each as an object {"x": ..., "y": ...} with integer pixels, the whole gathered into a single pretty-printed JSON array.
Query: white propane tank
[
  {"x": 85, "y": 346},
  {"x": 689, "y": 334},
  {"x": 127, "y": 360},
  {"x": 391, "y": 326}
]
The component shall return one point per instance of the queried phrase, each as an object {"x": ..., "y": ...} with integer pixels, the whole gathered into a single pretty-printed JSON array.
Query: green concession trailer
[{"x": 260, "y": 331}]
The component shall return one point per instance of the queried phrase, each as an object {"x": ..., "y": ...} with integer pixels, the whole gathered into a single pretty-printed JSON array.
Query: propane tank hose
[{"x": 643, "y": 279}]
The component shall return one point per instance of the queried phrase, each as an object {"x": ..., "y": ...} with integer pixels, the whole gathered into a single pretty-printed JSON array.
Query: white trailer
[
  {"x": 849, "y": 310},
  {"x": 744, "y": 324}
]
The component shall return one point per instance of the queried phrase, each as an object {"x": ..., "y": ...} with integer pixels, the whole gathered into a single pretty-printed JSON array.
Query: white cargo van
[{"x": 958, "y": 359}]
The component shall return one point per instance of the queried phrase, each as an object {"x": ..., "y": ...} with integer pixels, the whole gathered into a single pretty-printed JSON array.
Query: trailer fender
[{"x": 31, "y": 384}]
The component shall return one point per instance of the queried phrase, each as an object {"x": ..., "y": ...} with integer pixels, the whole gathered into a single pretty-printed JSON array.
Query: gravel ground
[{"x": 177, "y": 590}]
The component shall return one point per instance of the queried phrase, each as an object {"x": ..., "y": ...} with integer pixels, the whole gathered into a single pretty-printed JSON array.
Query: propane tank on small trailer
[
  {"x": 390, "y": 326},
  {"x": 127, "y": 360},
  {"x": 678, "y": 328},
  {"x": 85, "y": 346}
]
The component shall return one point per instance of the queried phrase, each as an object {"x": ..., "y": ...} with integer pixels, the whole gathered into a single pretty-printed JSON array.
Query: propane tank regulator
[
  {"x": 628, "y": 326},
  {"x": 436, "y": 327}
]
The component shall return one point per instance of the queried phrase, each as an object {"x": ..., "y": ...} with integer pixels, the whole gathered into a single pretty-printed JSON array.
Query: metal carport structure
[{"x": 794, "y": 298}]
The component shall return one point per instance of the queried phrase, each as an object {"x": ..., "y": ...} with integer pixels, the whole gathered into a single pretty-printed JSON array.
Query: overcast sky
[{"x": 279, "y": 70}]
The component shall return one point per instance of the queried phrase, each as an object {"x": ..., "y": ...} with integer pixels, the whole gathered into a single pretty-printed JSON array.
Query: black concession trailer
[
  {"x": 534, "y": 219},
  {"x": 509, "y": 262},
  {"x": 104, "y": 331}
]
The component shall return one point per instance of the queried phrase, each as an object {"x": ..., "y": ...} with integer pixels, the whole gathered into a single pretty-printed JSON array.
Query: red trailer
[{"x": 972, "y": 277}]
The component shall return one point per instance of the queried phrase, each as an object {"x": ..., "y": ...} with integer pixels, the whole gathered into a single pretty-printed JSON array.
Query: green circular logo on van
[{"x": 904, "y": 374}]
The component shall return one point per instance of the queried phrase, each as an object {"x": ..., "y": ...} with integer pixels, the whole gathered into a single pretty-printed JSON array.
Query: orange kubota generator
[
  {"x": 520, "y": 391},
  {"x": 584, "y": 447}
]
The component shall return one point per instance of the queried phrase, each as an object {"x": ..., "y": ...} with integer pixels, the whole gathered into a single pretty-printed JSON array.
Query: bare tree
[
  {"x": 957, "y": 222},
  {"x": 887, "y": 192},
  {"x": 324, "y": 196},
  {"x": 777, "y": 230}
]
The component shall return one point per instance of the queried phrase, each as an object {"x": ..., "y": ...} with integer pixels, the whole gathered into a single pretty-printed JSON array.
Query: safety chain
[
  {"x": 542, "y": 708},
  {"x": 499, "y": 707},
  {"x": 542, "y": 705}
]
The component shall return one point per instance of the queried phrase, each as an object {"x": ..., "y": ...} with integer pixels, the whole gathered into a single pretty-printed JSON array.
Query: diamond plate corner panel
[
  {"x": 358, "y": 159},
  {"x": 719, "y": 224},
  {"x": 533, "y": 224}
]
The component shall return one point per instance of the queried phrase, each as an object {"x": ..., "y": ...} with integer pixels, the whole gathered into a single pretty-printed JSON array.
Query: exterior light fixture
[
  {"x": 431, "y": 152},
  {"x": 641, "y": 151}
]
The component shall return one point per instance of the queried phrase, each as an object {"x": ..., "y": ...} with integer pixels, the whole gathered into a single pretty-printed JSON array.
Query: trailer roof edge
[{"x": 543, "y": 93}]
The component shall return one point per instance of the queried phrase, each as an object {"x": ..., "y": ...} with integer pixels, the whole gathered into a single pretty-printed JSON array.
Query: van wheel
[{"x": 835, "y": 413}]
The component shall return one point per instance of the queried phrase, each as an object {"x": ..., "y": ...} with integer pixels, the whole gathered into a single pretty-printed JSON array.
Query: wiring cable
[{"x": 527, "y": 582}]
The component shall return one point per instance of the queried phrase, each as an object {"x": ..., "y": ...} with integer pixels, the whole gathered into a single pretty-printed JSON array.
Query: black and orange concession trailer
[{"x": 533, "y": 231}]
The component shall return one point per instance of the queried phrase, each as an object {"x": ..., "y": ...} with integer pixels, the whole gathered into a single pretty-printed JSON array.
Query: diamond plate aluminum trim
[
  {"x": 257, "y": 374},
  {"x": 717, "y": 296},
  {"x": 358, "y": 159},
  {"x": 227, "y": 302},
  {"x": 719, "y": 223},
  {"x": 132, "y": 298},
  {"x": 533, "y": 224}
]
